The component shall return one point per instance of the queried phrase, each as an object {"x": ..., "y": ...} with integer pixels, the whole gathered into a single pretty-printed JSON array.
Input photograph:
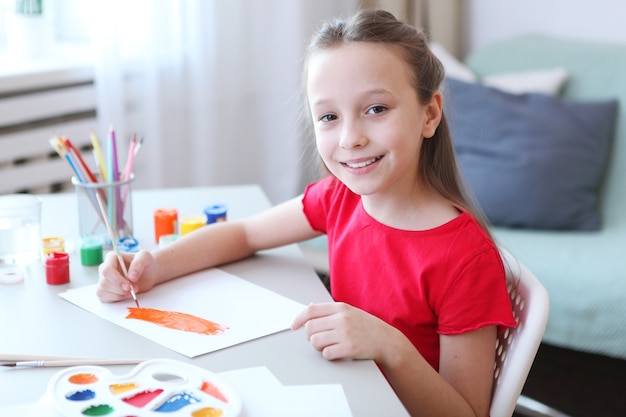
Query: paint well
[
  {"x": 208, "y": 412},
  {"x": 213, "y": 391},
  {"x": 140, "y": 400},
  {"x": 177, "y": 401},
  {"x": 99, "y": 410},
  {"x": 81, "y": 395},
  {"x": 122, "y": 388},
  {"x": 83, "y": 379}
]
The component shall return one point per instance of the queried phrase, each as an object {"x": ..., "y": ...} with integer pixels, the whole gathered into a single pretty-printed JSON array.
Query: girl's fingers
[
  {"x": 112, "y": 286},
  {"x": 138, "y": 264},
  {"x": 310, "y": 312}
]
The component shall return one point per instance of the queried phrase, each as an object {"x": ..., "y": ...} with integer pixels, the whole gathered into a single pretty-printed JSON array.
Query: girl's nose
[{"x": 352, "y": 136}]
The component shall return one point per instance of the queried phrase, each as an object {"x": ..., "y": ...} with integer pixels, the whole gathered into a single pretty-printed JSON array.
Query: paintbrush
[
  {"x": 116, "y": 248},
  {"x": 69, "y": 362},
  {"x": 19, "y": 357}
]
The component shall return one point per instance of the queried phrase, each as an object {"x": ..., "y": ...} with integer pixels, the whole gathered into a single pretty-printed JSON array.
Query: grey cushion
[{"x": 531, "y": 160}]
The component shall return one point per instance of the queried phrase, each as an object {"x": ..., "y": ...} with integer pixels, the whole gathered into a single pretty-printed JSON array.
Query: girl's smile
[
  {"x": 358, "y": 164},
  {"x": 367, "y": 117}
]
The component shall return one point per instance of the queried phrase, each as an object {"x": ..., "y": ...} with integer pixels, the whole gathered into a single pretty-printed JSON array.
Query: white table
[{"x": 35, "y": 320}]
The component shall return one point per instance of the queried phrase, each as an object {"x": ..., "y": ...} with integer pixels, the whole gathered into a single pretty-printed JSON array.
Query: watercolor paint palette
[{"x": 159, "y": 387}]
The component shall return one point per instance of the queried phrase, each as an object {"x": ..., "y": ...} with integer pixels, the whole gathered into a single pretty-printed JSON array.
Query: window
[{"x": 67, "y": 18}]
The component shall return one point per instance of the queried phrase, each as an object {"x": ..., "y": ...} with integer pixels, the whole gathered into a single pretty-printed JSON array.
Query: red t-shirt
[{"x": 446, "y": 280}]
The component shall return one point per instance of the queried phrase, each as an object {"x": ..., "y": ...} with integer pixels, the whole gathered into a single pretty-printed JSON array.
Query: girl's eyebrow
[
  {"x": 372, "y": 93},
  {"x": 377, "y": 92}
]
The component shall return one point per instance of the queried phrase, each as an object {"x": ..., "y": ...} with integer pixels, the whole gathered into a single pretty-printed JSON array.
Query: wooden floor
[{"x": 578, "y": 384}]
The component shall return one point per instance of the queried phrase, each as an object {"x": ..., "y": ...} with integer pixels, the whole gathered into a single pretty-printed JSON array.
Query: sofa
[
  {"x": 556, "y": 198},
  {"x": 582, "y": 263}
]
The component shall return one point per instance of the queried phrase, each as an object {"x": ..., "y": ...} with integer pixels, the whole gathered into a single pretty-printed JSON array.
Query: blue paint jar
[{"x": 215, "y": 213}]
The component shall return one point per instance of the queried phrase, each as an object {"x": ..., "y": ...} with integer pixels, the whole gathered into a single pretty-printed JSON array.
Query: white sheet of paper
[
  {"x": 249, "y": 310},
  {"x": 262, "y": 395}
]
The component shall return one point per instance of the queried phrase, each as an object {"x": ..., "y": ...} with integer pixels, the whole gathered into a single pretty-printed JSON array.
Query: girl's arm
[
  {"x": 461, "y": 388},
  {"x": 206, "y": 247},
  {"x": 463, "y": 385}
]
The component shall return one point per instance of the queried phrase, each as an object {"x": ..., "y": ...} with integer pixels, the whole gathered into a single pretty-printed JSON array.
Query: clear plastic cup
[
  {"x": 102, "y": 202},
  {"x": 20, "y": 229}
]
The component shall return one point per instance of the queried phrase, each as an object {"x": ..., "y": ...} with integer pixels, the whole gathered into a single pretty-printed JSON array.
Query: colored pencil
[
  {"x": 129, "y": 167},
  {"x": 111, "y": 179},
  {"x": 57, "y": 145},
  {"x": 98, "y": 157},
  {"x": 80, "y": 160}
]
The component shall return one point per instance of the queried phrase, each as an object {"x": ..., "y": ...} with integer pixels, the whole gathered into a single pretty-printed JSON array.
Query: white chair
[{"x": 516, "y": 348}]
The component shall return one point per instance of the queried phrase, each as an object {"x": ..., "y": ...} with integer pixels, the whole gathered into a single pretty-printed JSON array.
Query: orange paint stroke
[{"x": 177, "y": 321}]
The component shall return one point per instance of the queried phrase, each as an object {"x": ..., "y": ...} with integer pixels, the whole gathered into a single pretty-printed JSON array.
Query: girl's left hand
[{"x": 341, "y": 331}]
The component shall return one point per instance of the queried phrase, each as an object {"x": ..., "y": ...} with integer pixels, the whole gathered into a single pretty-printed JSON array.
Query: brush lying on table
[{"x": 49, "y": 363}]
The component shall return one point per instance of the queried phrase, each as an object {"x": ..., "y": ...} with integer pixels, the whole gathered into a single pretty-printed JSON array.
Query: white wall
[{"x": 492, "y": 20}]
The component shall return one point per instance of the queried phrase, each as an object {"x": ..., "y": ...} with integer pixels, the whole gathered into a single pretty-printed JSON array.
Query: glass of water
[{"x": 20, "y": 229}]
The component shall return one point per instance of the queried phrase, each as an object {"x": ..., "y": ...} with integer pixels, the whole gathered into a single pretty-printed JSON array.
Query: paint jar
[
  {"x": 52, "y": 244},
  {"x": 165, "y": 222},
  {"x": 215, "y": 213},
  {"x": 128, "y": 245},
  {"x": 20, "y": 230},
  {"x": 57, "y": 268},
  {"x": 91, "y": 251},
  {"x": 191, "y": 223},
  {"x": 102, "y": 202},
  {"x": 167, "y": 240}
]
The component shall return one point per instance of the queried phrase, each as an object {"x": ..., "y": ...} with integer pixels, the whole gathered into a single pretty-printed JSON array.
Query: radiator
[{"x": 34, "y": 107}]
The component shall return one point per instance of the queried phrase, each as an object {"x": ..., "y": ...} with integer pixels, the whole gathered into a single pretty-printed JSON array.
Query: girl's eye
[
  {"x": 377, "y": 109},
  {"x": 328, "y": 118}
]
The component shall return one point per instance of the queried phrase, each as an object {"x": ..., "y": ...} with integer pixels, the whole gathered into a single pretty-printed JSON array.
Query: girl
[{"x": 419, "y": 286}]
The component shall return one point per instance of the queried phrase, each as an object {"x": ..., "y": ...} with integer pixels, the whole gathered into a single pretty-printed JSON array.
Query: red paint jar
[{"x": 57, "y": 268}]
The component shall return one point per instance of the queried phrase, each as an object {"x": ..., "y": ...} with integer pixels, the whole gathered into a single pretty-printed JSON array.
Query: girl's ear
[{"x": 433, "y": 112}]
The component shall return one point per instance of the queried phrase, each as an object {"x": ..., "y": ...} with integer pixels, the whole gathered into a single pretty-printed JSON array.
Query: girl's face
[{"x": 369, "y": 124}]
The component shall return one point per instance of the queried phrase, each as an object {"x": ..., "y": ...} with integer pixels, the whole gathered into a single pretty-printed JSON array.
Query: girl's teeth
[{"x": 361, "y": 164}]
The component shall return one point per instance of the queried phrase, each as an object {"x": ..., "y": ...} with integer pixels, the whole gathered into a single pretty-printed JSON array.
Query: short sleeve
[
  {"x": 477, "y": 297},
  {"x": 316, "y": 201}
]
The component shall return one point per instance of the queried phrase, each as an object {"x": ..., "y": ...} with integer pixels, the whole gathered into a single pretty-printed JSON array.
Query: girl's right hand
[{"x": 112, "y": 286}]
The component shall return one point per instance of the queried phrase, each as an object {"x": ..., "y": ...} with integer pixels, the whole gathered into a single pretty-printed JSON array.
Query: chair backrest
[{"x": 516, "y": 348}]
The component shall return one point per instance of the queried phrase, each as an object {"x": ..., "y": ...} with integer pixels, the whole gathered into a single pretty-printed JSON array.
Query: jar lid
[
  {"x": 128, "y": 244},
  {"x": 215, "y": 213},
  {"x": 57, "y": 258},
  {"x": 167, "y": 239},
  {"x": 166, "y": 212}
]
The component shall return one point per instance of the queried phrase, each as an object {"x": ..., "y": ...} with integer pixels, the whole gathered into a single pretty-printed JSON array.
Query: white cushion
[
  {"x": 545, "y": 81},
  {"x": 549, "y": 81},
  {"x": 453, "y": 67}
]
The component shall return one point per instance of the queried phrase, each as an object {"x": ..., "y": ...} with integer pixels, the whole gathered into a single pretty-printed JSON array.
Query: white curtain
[{"x": 212, "y": 86}]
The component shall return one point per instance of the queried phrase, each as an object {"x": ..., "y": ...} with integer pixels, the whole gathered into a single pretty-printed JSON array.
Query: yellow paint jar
[
  {"x": 52, "y": 244},
  {"x": 191, "y": 223}
]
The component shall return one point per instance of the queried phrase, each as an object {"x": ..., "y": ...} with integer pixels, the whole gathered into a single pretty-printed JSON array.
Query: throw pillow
[
  {"x": 531, "y": 160},
  {"x": 549, "y": 81},
  {"x": 453, "y": 67}
]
